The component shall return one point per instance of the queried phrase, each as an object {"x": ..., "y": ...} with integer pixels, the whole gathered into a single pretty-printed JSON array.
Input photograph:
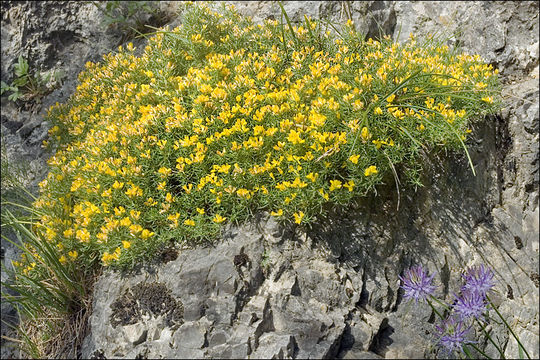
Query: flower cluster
[
  {"x": 452, "y": 335},
  {"x": 470, "y": 305},
  {"x": 220, "y": 118},
  {"x": 417, "y": 284}
]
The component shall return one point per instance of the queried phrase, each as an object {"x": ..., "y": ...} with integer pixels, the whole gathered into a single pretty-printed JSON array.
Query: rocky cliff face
[{"x": 331, "y": 291}]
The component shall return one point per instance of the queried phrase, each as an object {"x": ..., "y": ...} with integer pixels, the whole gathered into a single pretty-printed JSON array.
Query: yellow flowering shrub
[{"x": 220, "y": 118}]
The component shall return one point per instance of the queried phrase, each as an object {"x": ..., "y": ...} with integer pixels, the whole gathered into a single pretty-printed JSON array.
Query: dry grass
[{"x": 55, "y": 335}]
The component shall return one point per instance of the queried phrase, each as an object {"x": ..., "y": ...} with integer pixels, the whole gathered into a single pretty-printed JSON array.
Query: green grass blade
[{"x": 288, "y": 22}]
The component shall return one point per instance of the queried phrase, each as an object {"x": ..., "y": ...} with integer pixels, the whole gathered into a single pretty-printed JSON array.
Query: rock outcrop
[{"x": 266, "y": 291}]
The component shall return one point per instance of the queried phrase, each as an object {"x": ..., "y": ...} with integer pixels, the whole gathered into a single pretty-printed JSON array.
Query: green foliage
[
  {"x": 26, "y": 86},
  {"x": 45, "y": 300},
  {"x": 130, "y": 17},
  {"x": 63, "y": 284},
  {"x": 58, "y": 292},
  {"x": 9, "y": 174},
  {"x": 219, "y": 119}
]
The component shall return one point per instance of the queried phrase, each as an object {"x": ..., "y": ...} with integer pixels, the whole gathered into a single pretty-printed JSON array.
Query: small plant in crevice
[
  {"x": 53, "y": 306},
  {"x": 11, "y": 173},
  {"x": 28, "y": 85},
  {"x": 265, "y": 260},
  {"x": 131, "y": 17},
  {"x": 468, "y": 315}
]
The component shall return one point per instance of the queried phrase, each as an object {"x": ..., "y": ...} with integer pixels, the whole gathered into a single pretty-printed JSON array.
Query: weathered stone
[
  {"x": 360, "y": 355},
  {"x": 273, "y": 346},
  {"x": 218, "y": 338},
  {"x": 135, "y": 333},
  {"x": 190, "y": 335},
  {"x": 187, "y": 353}
]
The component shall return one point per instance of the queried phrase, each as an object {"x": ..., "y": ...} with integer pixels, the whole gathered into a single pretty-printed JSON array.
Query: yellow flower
[
  {"x": 297, "y": 183},
  {"x": 135, "y": 229},
  {"x": 481, "y": 85},
  {"x": 298, "y": 217},
  {"x": 294, "y": 137},
  {"x": 62, "y": 259},
  {"x": 187, "y": 188},
  {"x": 189, "y": 222},
  {"x": 377, "y": 111},
  {"x": 354, "y": 159},
  {"x": 150, "y": 202},
  {"x": 83, "y": 235},
  {"x": 73, "y": 254},
  {"x": 289, "y": 199},
  {"x": 135, "y": 214},
  {"x": 323, "y": 194},
  {"x": 488, "y": 99},
  {"x": 125, "y": 222},
  {"x": 277, "y": 213},
  {"x": 76, "y": 184},
  {"x": 349, "y": 185},
  {"x": 371, "y": 170},
  {"x": 102, "y": 237},
  {"x": 118, "y": 185},
  {"x": 219, "y": 219},
  {"x": 244, "y": 193},
  {"x": 146, "y": 234},
  {"x": 200, "y": 211},
  {"x": 163, "y": 171},
  {"x": 161, "y": 185},
  {"x": 174, "y": 218},
  {"x": 106, "y": 258},
  {"x": 134, "y": 190},
  {"x": 312, "y": 177},
  {"x": 126, "y": 244},
  {"x": 365, "y": 134},
  {"x": 335, "y": 184},
  {"x": 106, "y": 193}
]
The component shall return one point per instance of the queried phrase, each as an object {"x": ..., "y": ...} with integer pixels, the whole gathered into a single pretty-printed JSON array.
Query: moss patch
[{"x": 146, "y": 298}]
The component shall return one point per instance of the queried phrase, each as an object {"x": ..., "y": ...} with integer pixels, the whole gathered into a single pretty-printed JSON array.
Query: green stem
[
  {"x": 440, "y": 302},
  {"x": 288, "y": 22},
  {"x": 477, "y": 349},
  {"x": 452, "y": 129},
  {"x": 433, "y": 307},
  {"x": 490, "y": 339},
  {"x": 508, "y": 326},
  {"x": 29, "y": 209}
]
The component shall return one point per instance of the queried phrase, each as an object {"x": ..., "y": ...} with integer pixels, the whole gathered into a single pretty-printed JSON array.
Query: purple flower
[
  {"x": 470, "y": 305},
  {"x": 452, "y": 335},
  {"x": 417, "y": 284},
  {"x": 478, "y": 279}
]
